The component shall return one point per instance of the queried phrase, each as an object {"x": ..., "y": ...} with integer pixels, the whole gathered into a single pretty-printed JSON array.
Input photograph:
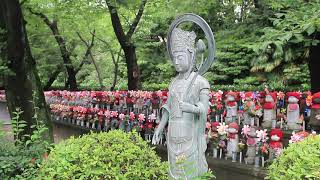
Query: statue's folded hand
[{"x": 187, "y": 107}]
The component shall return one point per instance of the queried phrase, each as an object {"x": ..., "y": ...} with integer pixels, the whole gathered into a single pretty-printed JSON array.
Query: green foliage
[
  {"x": 112, "y": 155},
  {"x": 299, "y": 161},
  {"x": 17, "y": 125},
  {"x": 258, "y": 42},
  {"x": 284, "y": 44},
  {"x": 21, "y": 159}
]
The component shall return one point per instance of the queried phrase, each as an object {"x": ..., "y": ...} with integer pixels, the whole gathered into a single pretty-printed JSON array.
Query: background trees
[
  {"x": 21, "y": 81},
  {"x": 120, "y": 44}
]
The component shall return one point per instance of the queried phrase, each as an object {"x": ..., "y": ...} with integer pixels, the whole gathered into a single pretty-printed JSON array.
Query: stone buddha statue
[{"x": 185, "y": 112}]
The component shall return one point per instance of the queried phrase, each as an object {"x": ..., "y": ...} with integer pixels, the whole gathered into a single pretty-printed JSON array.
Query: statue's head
[{"x": 183, "y": 49}]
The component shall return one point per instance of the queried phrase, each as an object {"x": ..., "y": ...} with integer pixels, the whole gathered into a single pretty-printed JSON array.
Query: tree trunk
[
  {"x": 89, "y": 52},
  {"x": 314, "y": 67},
  {"x": 116, "y": 68},
  {"x": 71, "y": 80},
  {"x": 23, "y": 86},
  {"x": 126, "y": 43},
  {"x": 52, "y": 78},
  {"x": 132, "y": 67},
  {"x": 98, "y": 72},
  {"x": 115, "y": 78}
]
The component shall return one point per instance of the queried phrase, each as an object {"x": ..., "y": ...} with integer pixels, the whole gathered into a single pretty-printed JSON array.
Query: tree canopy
[{"x": 259, "y": 42}]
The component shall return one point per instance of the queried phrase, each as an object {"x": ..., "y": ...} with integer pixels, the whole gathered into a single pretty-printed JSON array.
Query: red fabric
[
  {"x": 234, "y": 125},
  {"x": 231, "y": 103},
  {"x": 215, "y": 124},
  {"x": 154, "y": 101},
  {"x": 248, "y": 94},
  {"x": 269, "y": 105},
  {"x": 232, "y": 135},
  {"x": 315, "y": 106},
  {"x": 234, "y": 94},
  {"x": 293, "y": 106},
  {"x": 149, "y": 126},
  {"x": 275, "y": 144},
  {"x": 302, "y": 133},
  {"x": 165, "y": 93},
  {"x": 294, "y": 94},
  {"x": 129, "y": 100},
  {"x": 251, "y": 141},
  {"x": 116, "y": 101},
  {"x": 316, "y": 95},
  {"x": 277, "y": 132},
  {"x": 273, "y": 95},
  {"x": 262, "y": 94}
]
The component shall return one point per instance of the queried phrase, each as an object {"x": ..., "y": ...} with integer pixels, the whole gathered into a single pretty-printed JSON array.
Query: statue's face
[
  {"x": 230, "y": 98},
  {"x": 232, "y": 130},
  {"x": 275, "y": 138},
  {"x": 181, "y": 61},
  {"x": 292, "y": 99},
  {"x": 269, "y": 98}
]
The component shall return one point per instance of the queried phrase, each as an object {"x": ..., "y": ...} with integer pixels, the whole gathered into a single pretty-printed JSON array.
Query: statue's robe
[{"x": 186, "y": 131}]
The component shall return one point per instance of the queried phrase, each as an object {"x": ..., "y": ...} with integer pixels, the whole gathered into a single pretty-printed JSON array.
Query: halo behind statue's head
[{"x": 182, "y": 40}]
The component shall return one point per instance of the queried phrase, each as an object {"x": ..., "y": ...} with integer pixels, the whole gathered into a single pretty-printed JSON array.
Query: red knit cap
[
  {"x": 277, "y": 132},
  {"x": 234, "y": 125},
  {"x": 234, "y": 94},
  {"x": 248, "y": 94},
  {"x": 316, "y": 95},
  {"x": 165, "y": 93},
  {"x": 294, "y": 94},
  {"x": 262, "y": 94},
  {"x": 215, "y": 124}
]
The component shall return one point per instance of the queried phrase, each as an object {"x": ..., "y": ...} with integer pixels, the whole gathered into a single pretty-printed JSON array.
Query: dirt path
[{"x": 4, "y": 114}]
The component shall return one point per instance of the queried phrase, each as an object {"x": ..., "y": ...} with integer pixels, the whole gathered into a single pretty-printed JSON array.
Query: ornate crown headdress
[{"x": 182, "y": 40}]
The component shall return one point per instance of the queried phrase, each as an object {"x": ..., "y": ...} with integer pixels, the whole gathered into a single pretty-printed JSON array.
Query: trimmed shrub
[
  {"x": 300, "y": 160},
  {"x": 112, "y": 155}
]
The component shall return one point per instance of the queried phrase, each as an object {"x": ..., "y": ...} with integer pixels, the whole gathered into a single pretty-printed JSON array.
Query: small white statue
[
  {"x": 232, "y": 107},
  {"x": 251, "y": 146},
  {"x": 293, "y": 111},
  {"x": 269, "y": 110},
  {"x": 233, "y": 141},
  {"x": 249, "y": 109}
]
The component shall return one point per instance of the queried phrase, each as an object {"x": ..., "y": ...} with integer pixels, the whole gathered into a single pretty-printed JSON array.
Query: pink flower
[
  {"x": 141, "y": 117},
  {"x": 100, "y": 113},
  {"x": 245, "y": 130},
  {"x": 152, "y": 117},
  {"x": 122, "y": 116},
  {"x": 262, "y": 135},
  {"x": 242, "y": 95},
  {"x": 159, "y": 93},
  {"x": 222, "y": 129},
  {"x": 117, "y": 94},
  {"x": 132, "y": 116},
  {"x": 114, "y": 113},
  {"x": 208, "y": 125},
  {"x": 107, "y": 114}
]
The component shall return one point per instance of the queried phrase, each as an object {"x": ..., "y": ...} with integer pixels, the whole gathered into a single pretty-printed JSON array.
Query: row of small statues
[
  {"x": 271, "y": 114},
  {"x": 249, "y": 111}
]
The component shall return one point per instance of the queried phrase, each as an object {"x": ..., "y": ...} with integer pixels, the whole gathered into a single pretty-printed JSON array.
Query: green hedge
[
  {"x": 112, "y": 155},
  {"x": 299, "y": 161}
]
